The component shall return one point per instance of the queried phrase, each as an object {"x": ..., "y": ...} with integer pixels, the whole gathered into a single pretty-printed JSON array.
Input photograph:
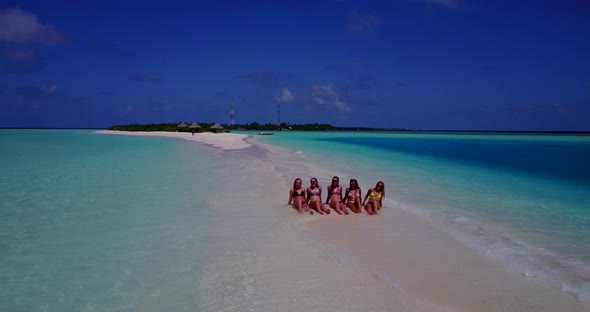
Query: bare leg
[
  {"x": 335, "y": 205},
  {"x": 316, "y": 205},
  {"x": 298, "y": 206},
  {"x": 377, "y": 206},
  {"x": 323, "y": 208},
  {"x": 303, "y": 207},
  {"x": 369, "y": 208},
  {"x": 352, "y": 207},
  {"x": 343, "y": 208}
]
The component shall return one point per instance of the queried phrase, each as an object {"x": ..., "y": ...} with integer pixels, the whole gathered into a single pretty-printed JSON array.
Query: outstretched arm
[
  {"x": 358, "y": 202},
  {"x": 366, "y": 196},
  {"x": 346, "y": 195}
]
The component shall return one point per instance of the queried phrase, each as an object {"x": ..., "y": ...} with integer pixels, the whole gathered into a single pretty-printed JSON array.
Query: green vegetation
[
  {"x": 206, "y": 127},
  {"x": 170, "y": 127}
]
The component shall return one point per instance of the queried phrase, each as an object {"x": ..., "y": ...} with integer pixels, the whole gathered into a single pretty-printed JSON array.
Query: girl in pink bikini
[
  {"x": 335, "y": 196},
  {"x": 314, "y": 197}
]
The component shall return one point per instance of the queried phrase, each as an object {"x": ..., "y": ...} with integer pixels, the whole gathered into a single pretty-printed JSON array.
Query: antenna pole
[{"x": 232, "y": 116}]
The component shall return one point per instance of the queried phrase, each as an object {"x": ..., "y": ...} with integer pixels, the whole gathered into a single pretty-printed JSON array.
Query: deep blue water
[{"x": 548, "y": 158}]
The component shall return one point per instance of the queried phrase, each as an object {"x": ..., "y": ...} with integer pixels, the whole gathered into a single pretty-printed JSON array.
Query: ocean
[
  {"x": 520, "y": 198},
  {"x": 113, "y": 223},
  {"x": 100, "y": 223}
]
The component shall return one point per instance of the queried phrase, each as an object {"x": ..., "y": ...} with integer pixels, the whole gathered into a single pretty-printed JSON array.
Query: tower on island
[{"x": 232, "y": 115}]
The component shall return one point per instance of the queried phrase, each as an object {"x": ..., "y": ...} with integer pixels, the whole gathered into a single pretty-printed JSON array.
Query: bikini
[
  {"x": 375, "y": 197},
  {"x": 352, "y": 194},
  {"x": 337, "y": 191},
  {"x": 314, "y": 193},
  {"x": 297, "y": 194}
]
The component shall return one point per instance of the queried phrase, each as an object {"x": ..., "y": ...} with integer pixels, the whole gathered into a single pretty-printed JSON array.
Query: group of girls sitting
[{"x": 310, "y": 199}]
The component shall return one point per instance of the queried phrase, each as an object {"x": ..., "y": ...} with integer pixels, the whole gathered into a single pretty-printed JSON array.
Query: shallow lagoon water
[{"x": 114, "y": 223}]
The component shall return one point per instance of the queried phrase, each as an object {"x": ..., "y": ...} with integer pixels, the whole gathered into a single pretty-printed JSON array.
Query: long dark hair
[
  {"x": 316, "y": 182},
  {"x": 294, "y": 186},
  {"x": 356, "y": 183},
  {"x": 337, "y": 178}
]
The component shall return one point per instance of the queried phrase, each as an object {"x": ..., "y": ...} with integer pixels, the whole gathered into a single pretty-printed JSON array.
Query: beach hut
[
  {"x": 181, "y": 126},
  {"x": 217, "y": 128},
  {"x": 195, "y": 127}
]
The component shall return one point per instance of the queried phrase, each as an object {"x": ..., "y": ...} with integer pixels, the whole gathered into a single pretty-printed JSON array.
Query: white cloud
[
  {"x": 318, "y": 100},
  {"x": 323, "y": 90},
  {"x": 342, "y": 106},
  {"x": 285, "y": 96},
  {"x": 49, "y": 89},
  {"x": 13, "y": 54},
  {"x": 358, "y": 23},
  {"x": 18, "y": 26},
  {"x": 325, "y": 94}
]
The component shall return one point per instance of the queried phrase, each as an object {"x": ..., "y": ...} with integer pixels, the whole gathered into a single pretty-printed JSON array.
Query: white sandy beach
[
  {"x": 395, "y": 261},
  {"x": 225, "y": 141},
  {"x": 434, "y": 269}
]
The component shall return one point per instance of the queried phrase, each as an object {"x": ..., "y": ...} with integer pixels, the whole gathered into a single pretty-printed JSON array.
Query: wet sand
[{"x": 432, "y": 268}]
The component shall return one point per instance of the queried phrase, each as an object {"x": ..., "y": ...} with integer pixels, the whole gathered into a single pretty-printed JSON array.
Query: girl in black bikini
[
  {"x": 314, "y": 197},
  {"x": 335, "y": 195},
  {"x": 297, "y": 197}
]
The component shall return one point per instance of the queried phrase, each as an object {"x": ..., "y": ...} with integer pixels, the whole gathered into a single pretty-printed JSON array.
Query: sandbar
[
  {"x": 225, "y": 141},
  {"x": 433, "y": 268}
]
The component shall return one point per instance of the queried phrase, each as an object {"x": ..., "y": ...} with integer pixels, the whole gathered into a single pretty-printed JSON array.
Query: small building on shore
[
  {"x": 216, "y": 128},
  {"x": 195, "y": 127},
  {"x": 182, "y": 125}
]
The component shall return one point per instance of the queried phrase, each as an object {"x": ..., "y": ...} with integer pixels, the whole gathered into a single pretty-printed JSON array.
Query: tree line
[{"x": 255, "y": 126}]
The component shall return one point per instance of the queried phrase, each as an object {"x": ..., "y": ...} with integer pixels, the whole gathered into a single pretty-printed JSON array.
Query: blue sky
[{"x": 417, "y": 64}]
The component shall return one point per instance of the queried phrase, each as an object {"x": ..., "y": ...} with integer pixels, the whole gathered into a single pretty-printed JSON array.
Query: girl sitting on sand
[
  {"x": 375, "y": 196},
  {"x": 297, "y": 197},
  {"x": 335, "y": 196},
  {"x": 352, "y": 197},
  {"x": 314, "y": 197}
]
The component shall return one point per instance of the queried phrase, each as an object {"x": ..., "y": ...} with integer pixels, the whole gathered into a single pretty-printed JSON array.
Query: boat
[{"x": 265, "y": 133}]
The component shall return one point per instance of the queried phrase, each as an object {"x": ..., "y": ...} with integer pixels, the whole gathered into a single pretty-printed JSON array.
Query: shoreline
[
  {"x": 432, "y": 267},
  {"x": 423, "y": 267},
  {"x": 224, "y": 141}
]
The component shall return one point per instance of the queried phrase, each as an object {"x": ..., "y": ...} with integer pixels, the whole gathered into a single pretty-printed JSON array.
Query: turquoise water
[
  {"x": 100, "y": 223},
  {"x": 521, "y": 198},
  {"x": 113, "y": 223}
]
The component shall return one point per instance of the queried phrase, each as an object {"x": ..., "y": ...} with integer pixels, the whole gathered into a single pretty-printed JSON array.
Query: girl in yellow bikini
[
  {"x": 375, "y": 196},
  {"x": 352, "y": 197}
]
